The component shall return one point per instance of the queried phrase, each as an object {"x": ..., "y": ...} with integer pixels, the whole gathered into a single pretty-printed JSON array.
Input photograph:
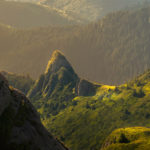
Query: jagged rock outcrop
[
  {"x": 86, "y": 88},
  {"x": 20, "y": 125}
]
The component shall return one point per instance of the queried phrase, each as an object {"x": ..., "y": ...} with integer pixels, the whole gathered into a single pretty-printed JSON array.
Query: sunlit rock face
[{"x": 20, "y": 125}]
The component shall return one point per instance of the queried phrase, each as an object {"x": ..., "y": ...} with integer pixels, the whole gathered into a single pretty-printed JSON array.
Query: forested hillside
[{"x": 113, "y": 50}]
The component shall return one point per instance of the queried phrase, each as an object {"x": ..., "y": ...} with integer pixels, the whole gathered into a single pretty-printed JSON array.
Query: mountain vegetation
[
  {"x": 20, "y": 125},
  {"x": 83, "y": 120},
  {"x": 134, "y": 138},
  {"x": 29, "y": 15},
  {"x": 117, "y": 46}
]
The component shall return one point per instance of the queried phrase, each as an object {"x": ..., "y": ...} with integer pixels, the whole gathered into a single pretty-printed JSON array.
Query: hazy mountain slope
[
  {"x": 135, "y": 138},
  {"x": 87, "y": 10},
  {"x": 27, "y": 15},
  {"x": 20, "y": 125},
  {"x": 21, "y": 82},
  {"x": 112, "y": 50}
]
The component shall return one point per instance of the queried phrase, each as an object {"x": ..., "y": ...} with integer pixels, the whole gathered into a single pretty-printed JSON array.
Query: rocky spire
[{"x": 57, "y": 61}]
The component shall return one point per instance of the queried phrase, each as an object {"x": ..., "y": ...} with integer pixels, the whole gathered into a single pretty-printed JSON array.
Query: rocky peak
[
  {"x": 59, "y": 73},
  {"x": 57, "y": 61}
]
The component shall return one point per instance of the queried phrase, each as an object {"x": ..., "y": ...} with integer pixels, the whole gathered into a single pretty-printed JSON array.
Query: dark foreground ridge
[{"x": 20, "y": 125}]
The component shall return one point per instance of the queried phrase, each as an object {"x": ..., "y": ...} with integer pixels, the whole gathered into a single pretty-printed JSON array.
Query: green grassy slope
[
  {"x": 117, "y": 46},
  {"x": 134, "y": 138},
  {"x": 89, "y": 120}
]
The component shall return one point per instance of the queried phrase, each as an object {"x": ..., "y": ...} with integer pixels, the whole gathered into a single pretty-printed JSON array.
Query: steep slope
[
  {"x": 90, "y": 119},
  {"x": 28, "y": 15},
  {"x": 113, "y": 50},
  {"x": 135, "y": 138},
  {"x": 21, "y": 82},
  {"x": 20, "y": 125},
  {"x": 57, "y": 86}
]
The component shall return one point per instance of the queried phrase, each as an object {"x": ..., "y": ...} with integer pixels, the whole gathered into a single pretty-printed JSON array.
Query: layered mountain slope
[
  {"x": 90, "y": 119},
  {"x": 20, "y": 125},
  {"x": 27, "y": 15},
  {"x": 21, "y": 82},
  {"x": 112, "y": 50},
  {"x": 134, "y": 138}
]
